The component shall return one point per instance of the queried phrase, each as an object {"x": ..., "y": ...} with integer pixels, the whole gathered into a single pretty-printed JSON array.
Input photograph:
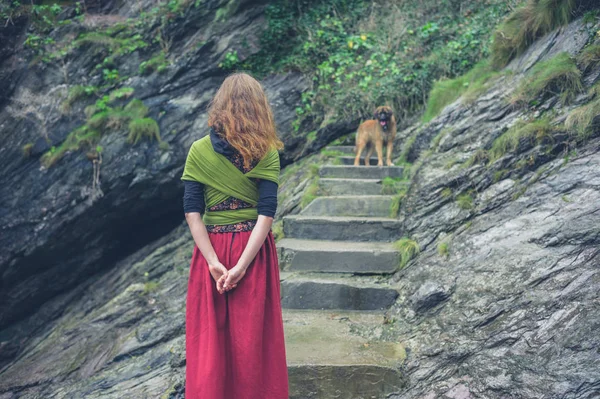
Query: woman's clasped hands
[{"x": 226, "y": 280}]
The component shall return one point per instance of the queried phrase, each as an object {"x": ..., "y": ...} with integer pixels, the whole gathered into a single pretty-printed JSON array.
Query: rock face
[
  {"x": 55, "y": 227},
  {"x": 93, "y": 289},
  {"x": 519, "y": 279}
]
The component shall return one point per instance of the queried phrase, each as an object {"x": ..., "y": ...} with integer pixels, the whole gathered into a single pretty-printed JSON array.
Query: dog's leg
[
  {"x": 379, "y": 149},
  {"x": 390, "y": 146},
  {"x": 359, "y": 149},
  {"x": 368, "y": 155}
]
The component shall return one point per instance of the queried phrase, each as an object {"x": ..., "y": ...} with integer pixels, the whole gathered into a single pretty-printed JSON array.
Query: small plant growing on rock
[
  {"x": 144, "y": 127},
  {"x": 535, "y": 131},
  {"x": 447, "y": 192},
  {"x": 585, "y": 119},
  {"x": 465, "y": 201},
  {"x": 443, "y": 249},
  {"x": 26, "y": 150},
  {"x": 408, "y": 249}
]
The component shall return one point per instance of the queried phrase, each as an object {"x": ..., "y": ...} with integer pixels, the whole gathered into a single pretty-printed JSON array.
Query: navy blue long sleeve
[
  {"x": 267, "y": 198},
  {"x": 193, "y": 197}
]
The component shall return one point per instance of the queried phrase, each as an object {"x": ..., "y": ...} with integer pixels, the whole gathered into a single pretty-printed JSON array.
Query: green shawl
[{"x": 222, "y": 180}]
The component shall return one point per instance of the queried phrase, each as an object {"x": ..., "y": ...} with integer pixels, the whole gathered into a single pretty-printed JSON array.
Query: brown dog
[{"x": 374, "y": 133}]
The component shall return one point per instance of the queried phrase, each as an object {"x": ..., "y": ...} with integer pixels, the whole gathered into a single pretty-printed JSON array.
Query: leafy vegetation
[
  {"x": 104, "y": 117},
  {"x": 408, "y": 249},
  {"x": 558, "y": 76},
  {"x": 362, "y": 54}
]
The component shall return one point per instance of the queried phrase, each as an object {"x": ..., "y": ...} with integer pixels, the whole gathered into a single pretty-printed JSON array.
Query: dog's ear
[{"x": 375, "y": 114}]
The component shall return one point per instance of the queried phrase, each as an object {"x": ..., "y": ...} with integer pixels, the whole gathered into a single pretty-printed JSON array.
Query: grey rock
[
  {"x": 360, "y": 172},
  {"x": 357, "y": 205},
  {"x": 428, "y": 296}
]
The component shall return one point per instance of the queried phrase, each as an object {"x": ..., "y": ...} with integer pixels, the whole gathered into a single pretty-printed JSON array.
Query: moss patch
[
  {"x": 447, "y": 91},
  {"x": 534, "y": 131},
  {"x": 557, "y": 76}
]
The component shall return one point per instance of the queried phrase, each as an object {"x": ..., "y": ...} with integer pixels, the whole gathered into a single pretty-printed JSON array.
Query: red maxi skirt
[{"x": 235, "y": 346}]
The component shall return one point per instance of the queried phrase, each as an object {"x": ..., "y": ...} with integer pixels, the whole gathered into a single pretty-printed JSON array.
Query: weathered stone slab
[
  {"x": 329, "y": 186},
  {"x": 337, "y": 256},
  {"x": 304, "y": 293},
  {"x": 357, "y": 205},
  {"x": 342, "y": 228},
  {"x": 360, "y": 172},
  {"x": 348, "y": 382}
]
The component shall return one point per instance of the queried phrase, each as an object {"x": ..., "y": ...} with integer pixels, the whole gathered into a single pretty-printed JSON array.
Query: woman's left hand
[{"x": 234, "y": 275}]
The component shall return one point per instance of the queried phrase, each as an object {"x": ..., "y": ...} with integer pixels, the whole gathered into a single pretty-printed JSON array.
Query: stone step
[
  {"x": 360, "y": 172},
  {"x": 334, "y": 291},
  {"x": 349, "y": 160},
  {"x": 337, "y": 256},
  {"x": 327, "y": 358},
  {"x": 349, "y": 186},
  {"x": 342, "y": 228},
  {"x": 346, "y": 149},
  {"x": 357, "y": 205}
]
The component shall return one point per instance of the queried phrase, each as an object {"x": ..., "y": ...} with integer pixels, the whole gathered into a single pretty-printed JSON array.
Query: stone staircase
[{"x": 333, "y": 261}]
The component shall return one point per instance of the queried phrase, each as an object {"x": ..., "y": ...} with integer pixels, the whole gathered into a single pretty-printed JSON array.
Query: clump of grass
[
  {"x": 443, "y": 249},
  {"x": 447, "y": 192},
  {"x": 408, "y": 250},
  {"x": 396, "y": 204},
  {"x": 75, "y": 93},
  {"x": 391, "y": 186},
  {"x": 311, "y": 192},
  {"x": 26, "y": 150},
  {"x": 137, "y": 108},
  {"x": 526, "y": 24},
  {"x": 590, "y": 57},
  {"x": 332, "y": 153},
  {"x": 557, "y": 76},
  {"x": 479, "y": 156},
  {"x": 585, "y": 119},
  {"x": 123, "y": 92},
  {"x": 144, "y": 127},
  {"x": 82, "y": 136},
  {"x": 536, "y": 131},
  {"x": 499, "y": 175},
  {"x": 277, "y": 230},
  {"x": 313, "y": 169},
  {"x": 158, "y": 63},
  {"x": 465, "y": 201},
  {"x": 150, "y": 287},
  {"x": 445, "y": 92}
]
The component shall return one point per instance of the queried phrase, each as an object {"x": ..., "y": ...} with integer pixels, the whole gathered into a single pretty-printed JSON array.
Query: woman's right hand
[{"x": 219, "y": 274}]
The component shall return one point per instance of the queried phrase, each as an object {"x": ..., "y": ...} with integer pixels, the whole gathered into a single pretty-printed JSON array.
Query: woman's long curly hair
[{"x": 240, "y": 112}]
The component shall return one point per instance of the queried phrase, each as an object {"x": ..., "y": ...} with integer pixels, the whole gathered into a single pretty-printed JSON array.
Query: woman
[{"x": 234, "y": 328}]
